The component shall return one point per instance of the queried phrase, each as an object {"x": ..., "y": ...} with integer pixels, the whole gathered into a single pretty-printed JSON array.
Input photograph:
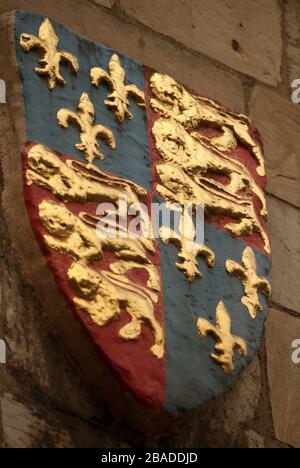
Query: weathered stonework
[
  {"x": 216, "y": 420},
  {"x": 278, "y": 121},
  {"x": 292, "y": 24},
  {"x": 285, "y": 234},
  {"x": 23, "y": 429},
  {"x": 284, "y": 376},
  {"x": 253, "y": 440},
  {"x": 105, "y": 3},
  {"x": 232, "y": 34},
  {"x": 196, "y": 73},
  {"x": 30, "y": 421}
]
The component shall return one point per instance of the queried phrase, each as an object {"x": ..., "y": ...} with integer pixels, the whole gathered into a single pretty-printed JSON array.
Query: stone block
[
  {"x": 284, "y": 376},
  {"x": 284, "y": 223},
  {"x": 245, "y": 36},
  {"x": 277, "y": 119}
]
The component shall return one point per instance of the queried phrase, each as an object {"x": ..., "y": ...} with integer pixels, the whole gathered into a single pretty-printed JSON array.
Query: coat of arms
[{"x": 174, "y": 307}]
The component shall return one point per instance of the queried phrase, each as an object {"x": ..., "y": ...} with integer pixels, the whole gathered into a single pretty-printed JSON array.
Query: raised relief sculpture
[
  {"x": 189, "y": 249},
  {"x": 51, "y": 58},
  {"x": 189, "y": 162},
  {"x": 117, "y": 99},
  {"x": 84, "y": 118},
  {"x": 172, "y": 100},
  {"x": 251, "y": 281},
  {"x": 198, "y": 170},
  {"x": 101, "y": 294},
  {"x": 226, "y": 342},
  {"x": 163, "y": 306}
]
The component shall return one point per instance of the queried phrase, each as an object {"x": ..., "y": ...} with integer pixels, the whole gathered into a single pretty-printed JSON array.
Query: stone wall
[{"x": 244, "y": 54}]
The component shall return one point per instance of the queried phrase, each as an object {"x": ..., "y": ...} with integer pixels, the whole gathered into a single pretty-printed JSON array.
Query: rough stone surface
[
  {"x": 285, "y": 234},
  {"x": 23, "y": 429},
  {"x": 232, "y": 411},
  {"x": 284, "y": 376},
  {"x": 106, "y": 3},
  {"x": 253, "y": 440},
  {"x": 28, "y": 421},
  {"x": 218, "y": 424},
  {"x": 277, "y": 119},
  {"x": 192, "y": 71},
  {"x": 235, "y": 34},
  {"x": 292, "y": 22}
]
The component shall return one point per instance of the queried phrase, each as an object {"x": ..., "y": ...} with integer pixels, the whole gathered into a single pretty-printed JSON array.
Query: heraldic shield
[{"x": 176, "y": 311}]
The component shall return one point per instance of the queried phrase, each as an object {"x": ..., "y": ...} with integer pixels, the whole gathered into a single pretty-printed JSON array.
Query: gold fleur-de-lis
[
  {"x": 251, "y": 281},
  {"x": 51, "y": 58},
  {"x": 226, "y": 342},
  {"x": 189, "y": 249},
  {"x": 84, "y": 118},
  {"x": 118, "y": 98}
]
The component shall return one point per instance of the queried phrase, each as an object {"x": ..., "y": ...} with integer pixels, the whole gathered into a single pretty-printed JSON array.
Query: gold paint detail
[
  {"x": 101, "y": 294},
  {"x": 252, "y": 282},
  {"x": 81, "y": 241},
  {"x": 226, "y": 342},
  {"x": 120, "y": 91},
  {"x": 50, "y": 57},
  {"x": 76, "y": 181},
  {"x": 84, "y": 118},
  {"x": 224, "y": 142},
  {"x": 173, "y": 101},
  {"x": 189, "y": 250},
  {"x": 122, "y": 267},
  {"x": 186, "y": 178},
  {"x": 198, "y": 159}
]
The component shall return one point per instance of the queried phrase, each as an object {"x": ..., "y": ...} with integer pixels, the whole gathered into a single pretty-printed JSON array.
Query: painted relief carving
[
  {"x": 172, "y": 100},
  {"x": 226, "y": 342},
  {"x": 189, "y": 162},
  {"x": 197, "y": 170},
  {"x": 251, "y": 281},
  {"x": 84, "y": 118},
  {"x": 101, "y": 294},
  {"x": 117, "y": 99},
  {"x": 193, "y": 162},
  {"x": 51, "y": 58},
  {"x": 189, "y": 250},
  {"x": 146, "y": 299},
  {"x": 75, "y": 181}
]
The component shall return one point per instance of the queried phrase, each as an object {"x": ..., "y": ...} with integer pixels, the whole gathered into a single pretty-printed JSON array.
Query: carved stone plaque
[{"x": 160, "y": 315}]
